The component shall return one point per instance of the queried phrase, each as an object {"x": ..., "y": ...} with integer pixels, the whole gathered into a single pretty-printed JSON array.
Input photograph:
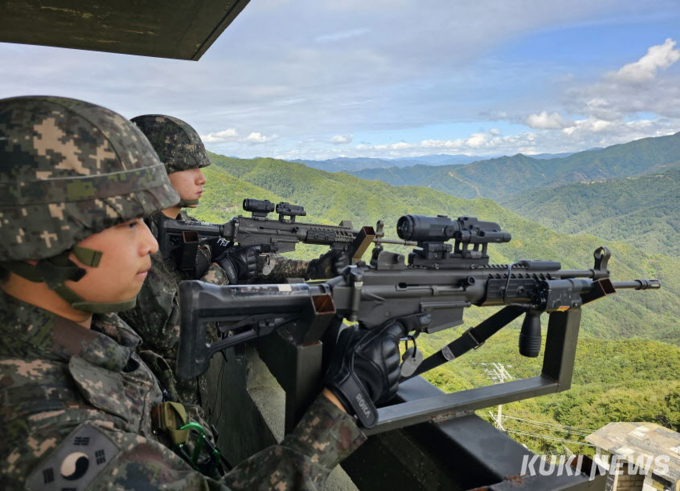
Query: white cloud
[
  {"x": 387, "y": 146},
  {"x": 339, "y": 139},
  {"x": 394, "y": 146},
  {"x": 661, "y": 56},
  {"x": 490, "y": 143},
  {"x": 257, "y": 137},
  {"x": 457, "y": 143},
  {"x": 232, "y": 136},
  {"x": 495, "y": 131},
  {"x": 338, "y": 36},
  {"x": 590, "y": 125},
  {"x": 637, "y": 87},
  {"x": 400, "y": 146},
  {"x": 477, "y": 140},
  {"x": 547, "y": 121},
  {"x": 228, "y": 135}
]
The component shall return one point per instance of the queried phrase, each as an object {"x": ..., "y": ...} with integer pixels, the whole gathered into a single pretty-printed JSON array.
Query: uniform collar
[{"x": 109, "y": 343}]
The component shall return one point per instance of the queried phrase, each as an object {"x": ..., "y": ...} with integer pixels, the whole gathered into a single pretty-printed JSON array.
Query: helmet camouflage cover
[
  {"x": 69, "y": 169},
  {"x": 177, "y": 144}
]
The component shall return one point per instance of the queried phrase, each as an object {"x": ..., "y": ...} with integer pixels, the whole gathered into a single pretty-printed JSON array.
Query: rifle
[
  {"x": 182, "y": 238},
  {"x": 441, "y": 280}
]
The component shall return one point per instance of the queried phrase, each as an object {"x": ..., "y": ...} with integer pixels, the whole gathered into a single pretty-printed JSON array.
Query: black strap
[
  {"x": 473, "y": 338},
  {"x": 354, "y": 393}
]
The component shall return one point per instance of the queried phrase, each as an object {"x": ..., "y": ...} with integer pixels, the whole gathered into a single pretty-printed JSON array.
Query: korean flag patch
[{"x": 76, "y": 462}]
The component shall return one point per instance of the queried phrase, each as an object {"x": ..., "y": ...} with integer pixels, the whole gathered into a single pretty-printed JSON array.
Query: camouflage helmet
[
  {"x": 177, "y": 144},
  {"x": 71, "y": 169}
]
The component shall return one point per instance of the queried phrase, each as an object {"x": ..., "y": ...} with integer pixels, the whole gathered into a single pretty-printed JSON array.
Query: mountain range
[
  {"x": 348, "y": 164},
  {"x": 341, "y": 164},
  {"x": 643, "y": 211},
  {"x": 501, "y": 177}
]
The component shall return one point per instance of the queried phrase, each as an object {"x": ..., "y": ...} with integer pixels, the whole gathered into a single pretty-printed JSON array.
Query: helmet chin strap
[
  {"x": 56, "y": 270},
  {"x": 185, "y": 203}
]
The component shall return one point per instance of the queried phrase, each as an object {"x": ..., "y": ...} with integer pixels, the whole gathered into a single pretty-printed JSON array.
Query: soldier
[
  {"x": 180, "y": 148},
  {"x": 156, "y": 317},
  {"x": 80, "y": 409}
]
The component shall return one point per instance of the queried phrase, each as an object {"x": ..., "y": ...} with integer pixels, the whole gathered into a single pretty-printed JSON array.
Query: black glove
[
  {"x": 240, "y": 263},
  {"x": 365, "y": 365},
  {"x": 218, "y": 245},
  {"x": 327, "y": 265}
]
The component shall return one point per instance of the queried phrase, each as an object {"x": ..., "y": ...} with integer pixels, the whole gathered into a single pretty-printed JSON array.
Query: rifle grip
[{"x": 530, "y": 335}]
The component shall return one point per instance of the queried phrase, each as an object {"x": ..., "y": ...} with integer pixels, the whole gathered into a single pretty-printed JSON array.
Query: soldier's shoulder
[{"x": 33, "y": 386}]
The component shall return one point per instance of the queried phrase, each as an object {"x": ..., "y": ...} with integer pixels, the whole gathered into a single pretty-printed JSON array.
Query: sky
[{"x": 319, "y": 79}]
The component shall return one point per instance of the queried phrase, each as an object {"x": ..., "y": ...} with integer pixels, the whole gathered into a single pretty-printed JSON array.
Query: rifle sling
[{"x": 473, "y": 338}]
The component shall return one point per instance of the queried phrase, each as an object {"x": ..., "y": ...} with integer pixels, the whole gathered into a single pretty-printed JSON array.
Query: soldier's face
[
  {"x": 188, "y": 183},
  {"x": 124, "y": 264}
]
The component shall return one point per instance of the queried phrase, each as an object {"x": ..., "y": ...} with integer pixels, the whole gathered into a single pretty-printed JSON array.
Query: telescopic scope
[
  {"x": 424, "y": 228},
  {"x": 258, "y": 205},
  {"x": 421, "y": 228}
]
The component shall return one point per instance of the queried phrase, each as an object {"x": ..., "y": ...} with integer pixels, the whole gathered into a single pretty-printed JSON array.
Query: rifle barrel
[
  {"x": 408, "y": 243},
  {"x": 637, "y": 285}
]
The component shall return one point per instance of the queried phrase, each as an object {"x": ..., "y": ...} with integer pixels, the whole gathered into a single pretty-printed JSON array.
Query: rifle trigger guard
[{"x": 479, "y": 345}]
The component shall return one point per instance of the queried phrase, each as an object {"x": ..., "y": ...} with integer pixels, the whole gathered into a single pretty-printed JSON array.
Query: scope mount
[{"x": 442, "y": 255}]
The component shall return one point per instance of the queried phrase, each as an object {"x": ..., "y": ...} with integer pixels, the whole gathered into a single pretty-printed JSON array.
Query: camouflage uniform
[
  {"x": 275, "y": 268},
  {"x": 61, "y": 384},
  {"x": 156, "y": 318},
  {"x": 75, "y": 403}
]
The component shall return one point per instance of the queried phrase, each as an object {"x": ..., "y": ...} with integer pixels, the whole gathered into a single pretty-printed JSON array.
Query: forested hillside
[
  {"x": 643, "y": 211},
  {"x": 618, "y": 380},
  {"x": 621, "y": 374},
  {"x": 504, "y": 176}
]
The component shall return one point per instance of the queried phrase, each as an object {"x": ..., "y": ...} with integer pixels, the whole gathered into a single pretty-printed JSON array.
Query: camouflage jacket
[
  {"x": 76, "y": 413},
  {"x": 156, "y": 317}
]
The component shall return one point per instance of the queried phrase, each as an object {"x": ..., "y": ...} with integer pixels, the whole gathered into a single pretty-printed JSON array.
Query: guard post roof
[{"x": 180, "y": 29}]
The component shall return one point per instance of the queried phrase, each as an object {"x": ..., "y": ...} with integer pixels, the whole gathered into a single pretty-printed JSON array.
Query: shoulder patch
[{"x": 76, "y": 462}]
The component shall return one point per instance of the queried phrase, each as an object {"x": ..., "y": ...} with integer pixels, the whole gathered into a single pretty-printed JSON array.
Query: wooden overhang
[{"x": 180, "y": 29}]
